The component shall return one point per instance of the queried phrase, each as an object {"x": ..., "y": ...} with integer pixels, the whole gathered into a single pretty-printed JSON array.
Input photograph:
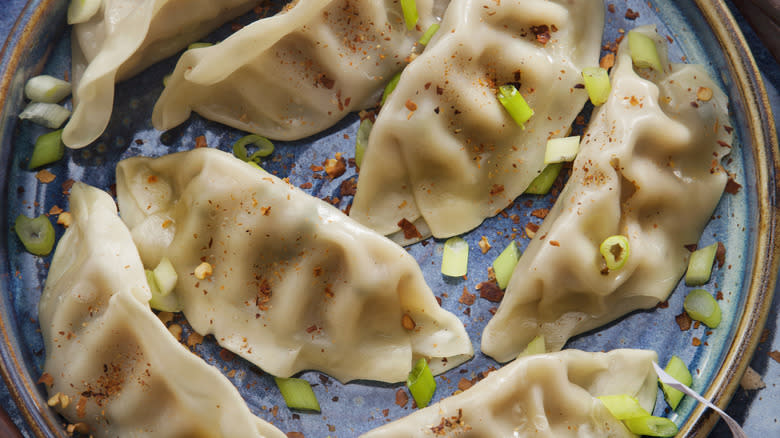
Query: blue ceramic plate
[{"x": 701, "y": 31}]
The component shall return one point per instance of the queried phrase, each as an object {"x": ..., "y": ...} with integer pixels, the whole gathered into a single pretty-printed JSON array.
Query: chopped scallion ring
[
  {"x": 48, "y": 149},
  {"x": 644, "y": 52},
  {"x": 297, "y": 394},
  {"x": 421, "y": 384},
  {"x": 37, "y": 235},
  {"x": 515, "y": 104},
  {"x": 700, "y": 265},
  {"x": 49, "y": 115},
  {"x": 429, "y": 33},
  {"x": 596, "y": 84},
  {"x": 165, "y": 275},
  {"x": 623, "y": 406},
  {"x": 455, "y": 258},
  {"x": 679, "y": 371},
  {"x": 536, "y": 346},
  {"x": 560, "y": 150},
  {"x": 390, "y": 87},
  {"x": 543, "y": 182},
  {"x": 263, "y": 145},
  {"x": 651, "y": 426},
  {"x": 80, "y": 11},
  {"x": 199, "y": 45},
  {"x": 409, "y": 9},
  {"x": 361, "y": 141},
  {"x": 505, "y": 263},
  {"x": 615, "y": 250},
  {"x": 701, "y": 306},
  {"x": 160, "y": 301},
  {"x": 47, "y": 89}
]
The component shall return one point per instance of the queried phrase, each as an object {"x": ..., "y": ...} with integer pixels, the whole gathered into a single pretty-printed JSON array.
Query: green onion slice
[
  {"x": 701, "y": 306},
  {"x": 165, "y": 276},
  {"x": 515, "y": 104},
  {"x": 390, "y": 87},
  {"x": 700, "y": 265},
  {"x": 504, "y": 264},
  {"x": 47, "y": 89},
  {"x": 596, "y": 84},
  {"x": 644, "y": 52},
  {"x": 455, "y": 259},
  {"x": 48, "y": 149},
  {"x": 49, "y": 115},
  {"x": 624, "y": 406},
  {"x": 159, "y": 301},
  {"x": 536, "y": 346},
  {"x": 361, "y": 141},
  {"x": 429, "y": 33},
  {"x": 560, "y": 150},
  {"x": 37, "y": 235},
  {"x": 679, "y": 371},
  {"x": 80, "y": 11},
  {"x": 543, "y": 182},
  {"x": 263, "y": 145},
  {"x": 651, "y": 426},
  {"x": 420, "y": 383},
  {"x": 297, "y": 394},
  {"x": 615, "y": 250},
  {"x": 409, "y": 8},
  {"x": 199, "y": 45}
]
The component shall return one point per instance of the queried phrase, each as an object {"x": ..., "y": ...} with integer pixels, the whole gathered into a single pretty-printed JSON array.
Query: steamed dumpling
[
  {"x": 548, "y": 395},
  {"x": 123, "y": 38},
  {"x": 121, "y": 369},
  {"x": 296, "y": 284},
  {"x": 444, "y": 154},
  {"x": 649, "y": 169},
  {"x": 297, "y": 73}
]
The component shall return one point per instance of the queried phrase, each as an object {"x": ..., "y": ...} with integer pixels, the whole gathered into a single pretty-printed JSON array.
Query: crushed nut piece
[
  {"x": 407, "y": 322},
  {"x": 175, "y": 330},
  {"x": 484, "y": 245},
  {"x": 401, "y": 398},
  {"x": 45, "y": 176},
  {"x": 204, "y": 271},
  {"x": 65, "y": 219},
  {"x": 335, "y": 167},
  {"x": 751, "y": 380},
  {"x": 704, "y": 94}
]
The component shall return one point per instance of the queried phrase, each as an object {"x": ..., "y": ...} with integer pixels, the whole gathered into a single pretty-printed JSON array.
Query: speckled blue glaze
[{"x": 347, "y": 410}]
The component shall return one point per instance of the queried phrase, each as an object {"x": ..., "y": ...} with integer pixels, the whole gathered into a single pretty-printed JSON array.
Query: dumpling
[
  {"x": 547, "y": 395},
  {"x": 649, "y": 169},
  {"x": 123, "y": 373},
  {"x": 444, "y": 154},
  {"x": 287, "y": 281},
  {"x": 123, "y": 38},
  {"x": 297, "y": 73}
]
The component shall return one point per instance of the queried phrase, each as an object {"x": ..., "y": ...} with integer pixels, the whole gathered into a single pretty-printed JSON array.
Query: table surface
[{"x": 756, "y": 410}]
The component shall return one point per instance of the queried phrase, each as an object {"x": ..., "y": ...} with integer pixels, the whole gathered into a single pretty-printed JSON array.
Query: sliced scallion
[
  {"x": 420, "y": 383},
  {"x": 455, "y": 258},
  {"x": 409, "y": 9},
  {"x": 390, "y": 87},
  {"x": 644, "y": 52},
  {"x": 80, "y": 11},
  {"x": 361, "y": 141},
  {"x": 199, "y": 45},
  {"x": 700, "y": 265},
  {"x": 623, "y": 406},
  {"x": 515, "y": 104},
  {"x": 504, "y": 264},
  {"x": 48, "y": 149},
  {"x": 679, "y": 371},
  {"x": 297, "y": 394},
  {"x": 37, "y": 235},
  {"x": 543, "y": 182},
  {"x": 429, "y": 33},
  {"x": 560, "y": 150},
  {"x": 49, "y": 115},
  {"x": 263, "y": 145},
  {"x": 615, "y": 250},
  {"x": 47, "y": 89},
  {"x": 165, "y": 276},
  {"x": 159, "y": 301},
  {"x": 701, "y": 306},
  {"x": 651, "y": 426},
  {"x": 536, "y": 346},
  {"x": 596, "y": 84}
]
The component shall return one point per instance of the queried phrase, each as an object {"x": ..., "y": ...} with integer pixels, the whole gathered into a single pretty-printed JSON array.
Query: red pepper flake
[
  {"x": 696, "y": 324},
  {"x": 266, "y": 210},
  {"x": 332, "y": 428},
  {"x": 401, "y": 398},
  {"x": 663, "y": 305},
  {"x": 720, "y": 254},
  {"x": 692, "y": 247},
  {"x": 542, "y": 33},
  {"x": 200, "y": 142},
  {"x": 295, "y": 435},
  {"x": 719, "y": 296},
  {"x": 324, "y": 81},
  {"x": 66, "y": 186},
  {"x": 312, "y": 328},
  {"x": 490, "y": 291},
  {"x": 235, "y": 27},
  {"x": 385, "y": 412},
  {"x": 728, "y": 129},
  {"x": 684, "y": 321},
  {"x": 541, "y": 213},
  {"x": 554, "y": 243},
  {"x": 410, "y": 231},
  {"x": 611, "y": 8},
  {"x": 348, "y": 188},
  {"x": 47, "y": 379},
  {"x": 439, "y": 90},
  {"x": 695, "y": 341},
  {"x": 81, "y": 407},
  {"x": 226, "y": 355},
  {"x": 464, "y": 384},
  {"x": 732, "y": 187},
  {"x": 306, "y": 185},
  {"x": 631, "y": 15},
  {"x": 496, "y": 189},
  {"x": 775, "y": 355},
  {"x": 411, "y": 106},
  {"x": 467, "y": 298}
]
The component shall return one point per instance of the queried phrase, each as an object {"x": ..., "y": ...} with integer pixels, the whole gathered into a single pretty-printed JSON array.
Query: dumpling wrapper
[
  {"x": 444, "y": 154},
  {"x": 547, "y": 395},
  {"x": 296, "y": 284},
  {"x": 297, "y": 73},
  {"x": 122, "y": 39},
  {"x": 649, "y": 169},
  {"x": 103, "y": 340}
]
